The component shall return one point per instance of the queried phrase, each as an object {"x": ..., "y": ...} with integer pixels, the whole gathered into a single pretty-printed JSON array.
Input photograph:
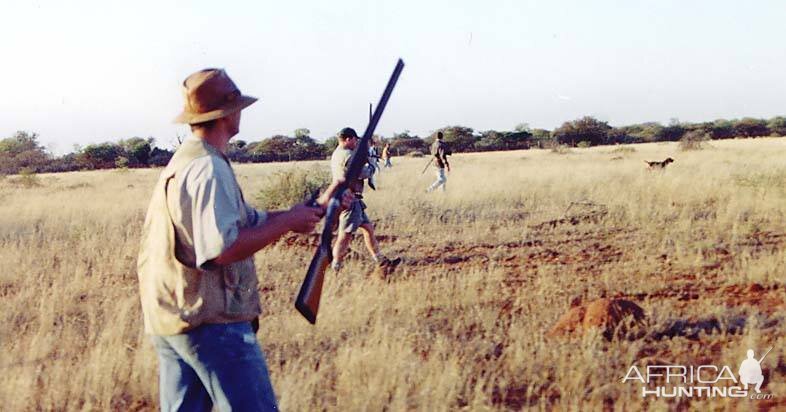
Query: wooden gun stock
[{"x": 307, "y": 301}]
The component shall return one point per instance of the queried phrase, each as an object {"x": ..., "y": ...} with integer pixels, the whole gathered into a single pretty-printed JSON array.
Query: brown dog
[{"x": 659, "y": 165}]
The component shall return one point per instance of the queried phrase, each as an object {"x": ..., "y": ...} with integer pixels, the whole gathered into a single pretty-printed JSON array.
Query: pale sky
[{"x": 81, "y": 72}]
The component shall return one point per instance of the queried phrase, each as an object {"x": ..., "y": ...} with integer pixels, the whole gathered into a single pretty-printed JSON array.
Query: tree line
[{"x": 23, "y": 153}]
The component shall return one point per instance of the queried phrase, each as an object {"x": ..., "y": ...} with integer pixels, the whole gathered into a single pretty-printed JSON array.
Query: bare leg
[
  {"x": 340, "y": 248},
  {"x": 369, "y": 239}
]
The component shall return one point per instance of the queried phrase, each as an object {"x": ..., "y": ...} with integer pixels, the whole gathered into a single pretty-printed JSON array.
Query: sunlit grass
[{"x": 462, "y": 324}]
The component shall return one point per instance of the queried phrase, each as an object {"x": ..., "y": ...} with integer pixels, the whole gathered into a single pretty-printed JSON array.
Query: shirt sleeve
[
  {"x": 338, "y": 164},
  {"x": 214, "y": 209},
  {"x": 254, "y": 216}
]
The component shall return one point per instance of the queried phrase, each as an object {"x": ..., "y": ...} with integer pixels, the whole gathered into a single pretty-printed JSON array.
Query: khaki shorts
[{"x": 351, "y": 219}]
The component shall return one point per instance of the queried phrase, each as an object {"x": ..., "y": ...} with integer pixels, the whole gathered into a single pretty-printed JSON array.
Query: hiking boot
[
  {"x": 394, "y": 262},
  {"x": 389, "y": 264}
]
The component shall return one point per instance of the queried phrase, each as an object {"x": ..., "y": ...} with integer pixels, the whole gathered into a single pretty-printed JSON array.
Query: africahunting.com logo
[{"x": 703, "y": 381}]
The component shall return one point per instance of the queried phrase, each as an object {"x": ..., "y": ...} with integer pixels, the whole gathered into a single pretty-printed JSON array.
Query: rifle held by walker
[{"x": 307, "y": 302}]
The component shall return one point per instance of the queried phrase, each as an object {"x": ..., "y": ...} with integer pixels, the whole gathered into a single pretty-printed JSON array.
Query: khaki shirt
[
  {"x": 206, "y": 204},
  {"x": 195, "y": 213},
  {"x": 339, "y": 162}
]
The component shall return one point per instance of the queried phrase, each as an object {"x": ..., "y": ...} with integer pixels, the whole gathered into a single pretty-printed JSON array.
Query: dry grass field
[{"x": 489, "y": 267}]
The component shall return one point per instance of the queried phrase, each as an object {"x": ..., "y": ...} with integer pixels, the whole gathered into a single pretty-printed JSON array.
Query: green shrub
[
  {"x": 121, "y": 162},
  {"x": 415, "y": 153},
  {"x": 288, "y": 187},
  {"x": 583, "y": 144}
]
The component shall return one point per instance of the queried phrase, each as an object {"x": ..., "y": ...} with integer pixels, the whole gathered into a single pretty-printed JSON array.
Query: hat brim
[{"x": 192, "y": 118}]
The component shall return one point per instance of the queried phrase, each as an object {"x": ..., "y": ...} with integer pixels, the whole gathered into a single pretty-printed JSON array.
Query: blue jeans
[
  {"x": 441, "y": 180},
  {"x": 219, "y": 364}
]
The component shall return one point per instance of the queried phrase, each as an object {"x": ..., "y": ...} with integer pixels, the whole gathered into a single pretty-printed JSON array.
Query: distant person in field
[
  {"x": 197, "y": 281},
  {"x": 373, "y": 161},
  {"x": 750, "y": 372},
  {"x": 354, "y": 217},
  {"x": 440, "y": 152},
  {"x": 386, "y": 156}
]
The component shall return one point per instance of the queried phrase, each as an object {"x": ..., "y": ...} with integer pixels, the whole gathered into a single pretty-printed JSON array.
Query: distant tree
[
  {"x": 122, "y": 162},
  {"x": 22, "y": 151},
  {"x": 160, "y": 157},
  {"x": 302, "y": 132},
  {"x": 541, "y": 134},
  {"x": 673, "y": 132},
  {"x": 458, "y": 138},
  {"x": 490, "y": 140},
  {"x": 100, "y": 156},
  {"x": 645, "y": 132},
  {"x": 621, "y": 135},
  {"x": 750, "y": 127},
  {"x": 403, "y": 143},
  {"x": 705, "y": 127},
  {"x": 281, "y": 148},
  {"x": 403, "y": 135},
  {"x": 65, "y": 163},
  {"x": 20, "y": 142},
  {"x": 277, "y": 148},
  {"x": 494, "y": 140},
  {"x": 330, "y": 144},
  {"x": 541, "y": 138},
  {"x": 306, "y": 148},
  {"x": 522, "y": 127},
  {"x": 586, "y": 129},
  {"x": 137, "y": 150},
  {"x": 722, "y": 129},
  {"x": 777, "y": 125},
  {"x": 237, "y": 151}
]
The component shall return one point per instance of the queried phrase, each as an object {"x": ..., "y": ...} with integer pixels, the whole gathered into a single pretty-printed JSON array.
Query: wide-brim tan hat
[{"x": 209, "y": 95}]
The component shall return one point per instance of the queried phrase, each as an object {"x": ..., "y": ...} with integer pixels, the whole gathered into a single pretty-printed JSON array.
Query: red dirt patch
[{"x": 603, "y": 314}]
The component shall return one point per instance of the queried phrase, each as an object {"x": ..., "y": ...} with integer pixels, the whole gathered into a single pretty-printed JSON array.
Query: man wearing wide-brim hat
[{"x": 197, "y": 279}]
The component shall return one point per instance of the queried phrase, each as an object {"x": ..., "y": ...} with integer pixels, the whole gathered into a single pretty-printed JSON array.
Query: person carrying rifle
[
  {"x": 197, "y": 281},
  {"x": 440, "y": 152},
  {"x": 354, "y": 217}
]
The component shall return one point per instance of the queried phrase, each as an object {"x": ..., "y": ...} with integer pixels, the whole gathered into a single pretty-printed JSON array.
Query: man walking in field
[
  {"x": 440, "y": 152},
  {"x": 197, "y": 280},
  {"x": 386, "y": 156},
  {"x": 373, "y": 162},
  {"x": 354, "y": 217}
]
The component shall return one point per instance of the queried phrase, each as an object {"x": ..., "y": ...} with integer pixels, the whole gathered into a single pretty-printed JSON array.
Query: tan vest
[{"x": 175, "y": 297}]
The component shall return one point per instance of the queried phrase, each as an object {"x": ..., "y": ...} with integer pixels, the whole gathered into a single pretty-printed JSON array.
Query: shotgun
[{"x": 307, "y": 302}]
